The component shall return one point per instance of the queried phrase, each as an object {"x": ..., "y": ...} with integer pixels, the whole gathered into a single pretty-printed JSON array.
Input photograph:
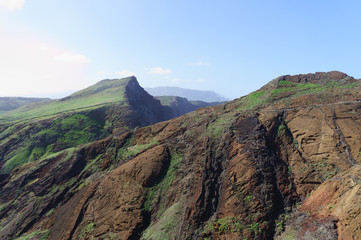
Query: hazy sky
[{"x": 54, "y": 47}]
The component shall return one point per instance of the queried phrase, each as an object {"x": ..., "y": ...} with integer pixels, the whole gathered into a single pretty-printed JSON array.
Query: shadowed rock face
[{"x": 285, "y": 168}]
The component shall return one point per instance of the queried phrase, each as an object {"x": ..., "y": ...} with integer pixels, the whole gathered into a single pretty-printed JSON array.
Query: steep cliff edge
[
  {"x": 279, "y": 163},
  {"x": 108, "y": 107}
]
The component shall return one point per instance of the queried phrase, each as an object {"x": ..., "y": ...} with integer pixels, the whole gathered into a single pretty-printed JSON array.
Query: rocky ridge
[{"x": 280, "y": 163}]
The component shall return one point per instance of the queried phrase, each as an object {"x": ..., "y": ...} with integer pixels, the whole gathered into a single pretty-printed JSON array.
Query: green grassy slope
[
  {"x": 289, "y": 94},
  {"x": 166, "y": 100},
  {"x": 27, "y": 142},
  {"x": 104, "y": 92},
  {"x": 60, "y": 124}
]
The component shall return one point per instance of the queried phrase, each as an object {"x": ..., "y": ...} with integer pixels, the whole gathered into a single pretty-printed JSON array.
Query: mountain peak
[
  {"x": 318, "y": 78},
  {"x": 117, "y": 80},
  {"x": 315, "y": 78},
  {"x": 105, "y": 85}
]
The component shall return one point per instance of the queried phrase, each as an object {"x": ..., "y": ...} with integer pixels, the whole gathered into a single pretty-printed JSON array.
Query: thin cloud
[
  {"x": 11, "y": 5},
  {"x": 201, "y": 63},
  {"x": 30, "y": 63},
  {"x": 158, "y": 70},
  {"x": 69, "y": 57}
]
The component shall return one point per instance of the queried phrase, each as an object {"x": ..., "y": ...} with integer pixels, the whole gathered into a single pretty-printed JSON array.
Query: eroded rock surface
[{"x": 280, "y": 163}]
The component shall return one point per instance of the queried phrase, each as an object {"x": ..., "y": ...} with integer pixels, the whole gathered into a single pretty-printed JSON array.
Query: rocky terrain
[{"x": 280, "y": 163}]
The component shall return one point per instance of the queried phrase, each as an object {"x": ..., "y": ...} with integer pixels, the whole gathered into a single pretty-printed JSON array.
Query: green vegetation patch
[
  {"x": 167, "y": 218},
  {"x": 162, "y": 187},
  {"x": 3, "y": 205},
  {"x": 281, "y": 222},
  {"x": 296, "y": 88},
  {"x": 7, "y": 132},
  {"x": 127, "y": 152},
  {"x": 17, "y": 160},
  {"x": 255, "y": 100},
  {"x": 42, "y": 235},
  {"x": 216, "y": 127},
  {"x": 86, "y": 230},
  {"x": 163, "y": 229},
  {"x": 290, "y": 234},
  {"x": 285, "y": 91},
  {"x": 166, "y": 100},
  {"x": 232, "y": 225},
  {"x": 79, "y": 129},
  {"x": 64, "y": 132},
  {"x": 281, "y": 129}
]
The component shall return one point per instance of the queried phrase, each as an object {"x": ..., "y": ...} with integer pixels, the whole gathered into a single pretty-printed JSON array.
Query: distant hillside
[
  {"x": 176, "y": 106},
  {"x": 190, "y": 94},
  {"x": 11, "y": 103}
]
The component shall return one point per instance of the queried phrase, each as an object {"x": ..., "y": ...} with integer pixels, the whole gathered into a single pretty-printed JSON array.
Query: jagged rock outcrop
[
  {"x": 148, "y": 109},
  {"x": 280, "y": 163}
]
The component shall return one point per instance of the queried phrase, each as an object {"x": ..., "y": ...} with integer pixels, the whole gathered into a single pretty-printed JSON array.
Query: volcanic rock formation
[{"x": 280, "y": 163}]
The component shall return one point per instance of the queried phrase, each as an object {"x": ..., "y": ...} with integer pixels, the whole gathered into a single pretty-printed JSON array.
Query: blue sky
[{"x": 52, "y": 47}]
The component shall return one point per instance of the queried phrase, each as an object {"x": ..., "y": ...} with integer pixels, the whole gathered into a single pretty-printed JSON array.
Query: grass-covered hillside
[
  {"x": 102, "y": 93},
  {"x": 34, "y": 132},
  {"x": 27, "y": 142},
  {"x": 37, "y": 131},
  {"x": 286, "y": 92}
]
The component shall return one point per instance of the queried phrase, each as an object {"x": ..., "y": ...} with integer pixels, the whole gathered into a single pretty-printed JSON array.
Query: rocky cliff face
[
  {"x": 280, "y": 163},
  {"x": 24, "y": 140},
  {"x": 148, "y": 109}
]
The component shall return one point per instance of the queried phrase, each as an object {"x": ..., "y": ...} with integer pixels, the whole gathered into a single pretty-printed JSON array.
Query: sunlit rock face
[{"x": 279, "y": 163}]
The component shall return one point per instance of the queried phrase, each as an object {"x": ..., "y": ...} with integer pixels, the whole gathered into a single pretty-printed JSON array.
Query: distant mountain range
[{"x": 190, "y": 94}]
